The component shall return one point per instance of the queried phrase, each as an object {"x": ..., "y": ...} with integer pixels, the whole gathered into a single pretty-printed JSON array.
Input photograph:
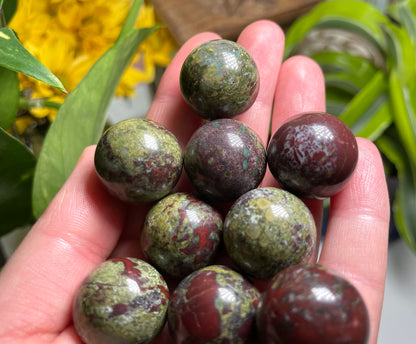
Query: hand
[{"x": 84, "y": 225}]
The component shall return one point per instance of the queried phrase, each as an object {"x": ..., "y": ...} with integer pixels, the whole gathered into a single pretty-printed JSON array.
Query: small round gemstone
[
  {"x": 224, "y": 159},
  {"x": 213, "y": 305},
  {"x": 124, "y": 300},
  {"x": 138, "y": 160},
  {"x": 181, "y": 234},
  {"x": 219, "y": 79},
  {"x": 311, "y": 304},
  {"x": 313, "y": 155},
  {"x": 267, "y": 230}
]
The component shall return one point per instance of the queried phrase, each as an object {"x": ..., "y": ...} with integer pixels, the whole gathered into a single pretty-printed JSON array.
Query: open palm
[{"x": 84, "y": 225}]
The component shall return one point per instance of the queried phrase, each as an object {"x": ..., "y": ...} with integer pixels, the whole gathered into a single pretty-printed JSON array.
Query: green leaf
[
  {"x": 346, "y": 82},
  {"x": 354, "y": 16},
  {"x": 9, "y": 97},
  {"x": 15, "y": 57},
  {"x": 404, "y": 106},
  {"x": 336, "y": 100},
  {"x": 131, "y": 19},
  {"x": 369, "y": 114},
  {"x": 378, "y": 119},
  {"x": 400, "y": 52},
  {"x": 335, "y": 61},
  {"x": 404, "y": 204},
  {"x": 345, "y": 71},
  {"x": 81, "y": 119},
  {"x": 9, "y": 8},
  {"x": 404, "y": 12},
  {"x": 17, "y": 165}
]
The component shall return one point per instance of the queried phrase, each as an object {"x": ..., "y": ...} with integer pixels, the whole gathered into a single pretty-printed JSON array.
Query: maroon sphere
[
  {"x": 310, "y": 304},
  {"x": 213, "y": 305},
  {"x": 224, "y": 159},
  {"x": 313, "y": 155}
]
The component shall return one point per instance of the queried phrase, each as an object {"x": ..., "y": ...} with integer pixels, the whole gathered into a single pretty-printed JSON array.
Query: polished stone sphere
[
  {"x": 268, "y": 229},
  {"x": 311, "y": 304},
  {"x": 138, "y": 160},
  {"x": 219, "y": 79},
  {"x": 313, "y": 155},
  {"x": 213, "y": 305},
  {"x": 181, "y": 234},
  {"x": 124, "y": 300},
  {"x": 224, "y": 159}
]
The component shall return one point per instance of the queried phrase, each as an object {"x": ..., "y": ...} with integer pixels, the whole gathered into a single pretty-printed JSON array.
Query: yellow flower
[
  {"x": 22, "y": 122},
  {"x": 68, "y": 36}
]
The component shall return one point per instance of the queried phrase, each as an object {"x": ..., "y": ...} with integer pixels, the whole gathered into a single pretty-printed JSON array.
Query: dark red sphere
[
  {"x": 310, "y": 304},
  {"x": 224, "y": 159},
  {"x": 313, "y": 155},
  {"x": 213, "y": 305}
]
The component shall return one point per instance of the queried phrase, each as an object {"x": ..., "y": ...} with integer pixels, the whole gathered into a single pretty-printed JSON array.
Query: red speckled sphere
[
  {"x": 224, "y": 159},
  {"x": 310, "y": 304},
  {"x": 313, "y": 155},
  {"x": 181, "y": 234},
  {"x": 213, "y": 305}
]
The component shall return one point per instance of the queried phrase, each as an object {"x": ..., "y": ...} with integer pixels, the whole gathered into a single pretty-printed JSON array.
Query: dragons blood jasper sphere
[
  {"x": 224, "y": 159},
  {"x": 181, "y": 234},
  {"x": 310, "y": 304},
  {"x": 124, "y": 300},
  {"x": 267, "y": 230},
  {"x": 219, "y": 79},
  {"x": 313, "y": 155},
  {"x": 213, "y": 305},
  {"x": 138, "y": 160}
]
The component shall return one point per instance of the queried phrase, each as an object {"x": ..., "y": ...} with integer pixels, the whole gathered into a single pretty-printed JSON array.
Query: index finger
[
  {"x": 264, "y": 40},
  {"x": 169, "y": 107}
]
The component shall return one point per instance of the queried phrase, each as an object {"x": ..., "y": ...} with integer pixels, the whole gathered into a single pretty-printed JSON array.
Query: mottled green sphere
[
  {"x": 124, "y": 300},
  {"x": 138, "y": 160},
  {"x": 181, "y": 234},
  {"x": 219, "y": 79},
  {"x": 267, "y": 230}
]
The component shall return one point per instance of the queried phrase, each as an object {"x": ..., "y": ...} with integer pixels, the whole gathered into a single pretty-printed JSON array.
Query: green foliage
[
  {"x": 9, "y": 97},
  {"x": 405, "y": 200},
  {"x": 376, "y": 102},
  {"x": 352, "y": 15},
  {"x": 17, "y": 165},
  {"x": 81, "y": 118},
  {"x": 27, "y": 185},
  {"x": 9, "y": 7},
  {"x": 15, "y": 57}
]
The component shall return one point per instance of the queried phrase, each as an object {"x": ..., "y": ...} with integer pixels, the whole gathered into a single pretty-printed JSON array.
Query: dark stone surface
[
  {"x": 138, "y": 160},
  {"x": 181, "y": 234},
  {"x": 219, "y": 79},
  {"x": 124, "y": 300},
  {"x": 310, "y": 304},
  {"x": 267, "y": 230},
  {"x": 224, "y": 159},
  {"x": 313, "y": 155},
  {"x": 213, "y": 305}
]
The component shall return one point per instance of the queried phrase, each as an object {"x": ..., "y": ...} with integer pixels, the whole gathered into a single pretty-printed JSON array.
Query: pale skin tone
[{"x": 84, "y": 225}]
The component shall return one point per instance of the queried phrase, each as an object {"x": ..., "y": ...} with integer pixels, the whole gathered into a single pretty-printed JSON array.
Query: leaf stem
[
  {"x": 26, "y": 104},
  {"x": 3, "y": 22}
]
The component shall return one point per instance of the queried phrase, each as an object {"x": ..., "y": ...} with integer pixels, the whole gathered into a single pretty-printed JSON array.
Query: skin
[{"x": 84, "y": 225}]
